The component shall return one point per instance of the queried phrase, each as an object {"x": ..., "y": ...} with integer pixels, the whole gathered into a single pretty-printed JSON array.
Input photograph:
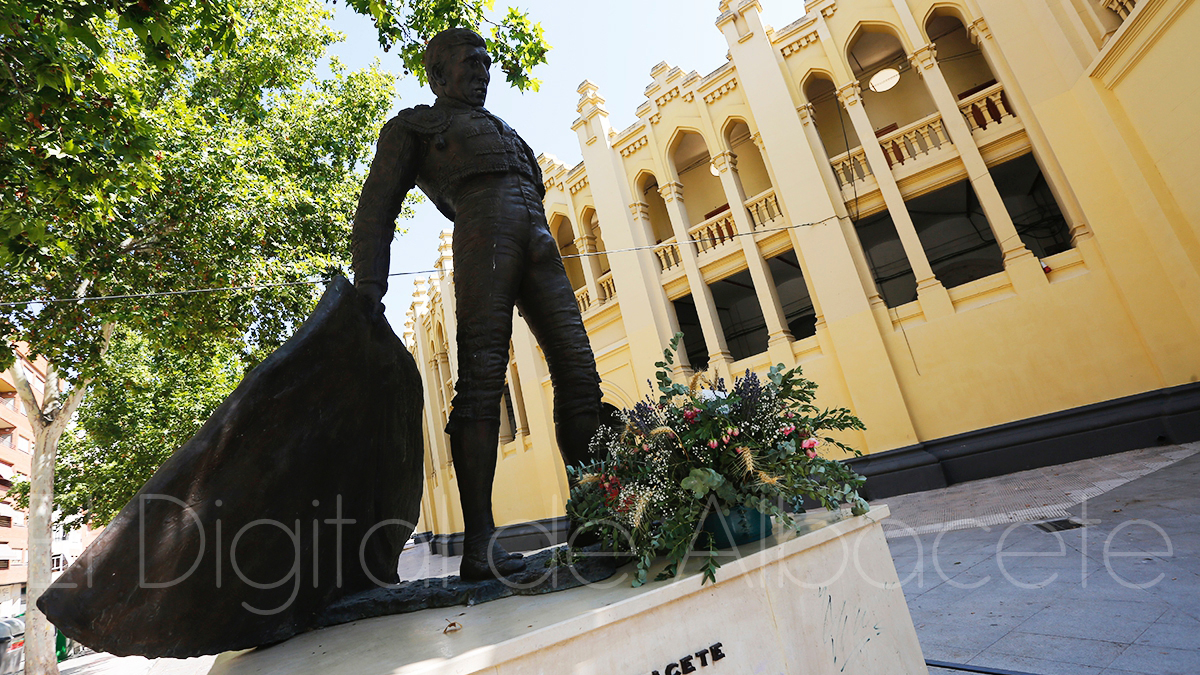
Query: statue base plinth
[{"x": 823, "y": 600}]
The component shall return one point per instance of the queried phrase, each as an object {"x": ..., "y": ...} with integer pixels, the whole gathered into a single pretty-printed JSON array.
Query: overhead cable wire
[{"x": 250, "y": 287}]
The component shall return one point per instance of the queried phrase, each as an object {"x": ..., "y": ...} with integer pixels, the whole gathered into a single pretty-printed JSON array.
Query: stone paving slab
[{"x": 1119, "y": 595}]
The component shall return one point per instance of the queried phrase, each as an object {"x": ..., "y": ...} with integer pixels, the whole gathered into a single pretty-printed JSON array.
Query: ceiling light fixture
[{"x": 884, "y": 80}]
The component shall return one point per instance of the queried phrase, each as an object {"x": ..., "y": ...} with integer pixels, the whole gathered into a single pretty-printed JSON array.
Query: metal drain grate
[{"x": 1058, "y": 525}]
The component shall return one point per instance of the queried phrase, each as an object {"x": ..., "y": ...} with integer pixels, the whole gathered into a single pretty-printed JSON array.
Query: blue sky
[{"x": 613, "y": 43}]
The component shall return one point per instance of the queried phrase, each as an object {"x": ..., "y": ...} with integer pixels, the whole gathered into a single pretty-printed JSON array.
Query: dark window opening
[
  {"x": 1032, "y": 206},
  {"x": 741, "y": 316},
  {"x": 5, "y": 521},
  {"x": 793, "y": 293},
  {"x": 693, "y": 335},
  {"x": 511, "y": 412},
  {"x": 885, "y": 255},
  {"x": 955, "y": 234}
]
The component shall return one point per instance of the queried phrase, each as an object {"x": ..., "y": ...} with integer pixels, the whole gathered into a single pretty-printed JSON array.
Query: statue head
[{"x": 457, "y": 63}]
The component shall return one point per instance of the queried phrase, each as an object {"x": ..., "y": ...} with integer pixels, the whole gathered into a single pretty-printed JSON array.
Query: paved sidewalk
[{"x": 1120, "y": 595}]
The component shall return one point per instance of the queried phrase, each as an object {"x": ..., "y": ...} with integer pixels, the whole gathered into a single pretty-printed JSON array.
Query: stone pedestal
[{"x": 823, "y": 600}]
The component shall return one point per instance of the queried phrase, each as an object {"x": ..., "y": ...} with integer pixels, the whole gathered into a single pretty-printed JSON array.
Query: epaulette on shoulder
[{"x": 423, "y": 119}]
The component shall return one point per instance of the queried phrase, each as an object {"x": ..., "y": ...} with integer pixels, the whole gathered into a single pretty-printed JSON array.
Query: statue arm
[{"x": 393, "y": 173}]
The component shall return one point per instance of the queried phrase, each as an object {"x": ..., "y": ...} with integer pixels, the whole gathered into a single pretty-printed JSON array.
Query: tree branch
[
  {"x": 64, "y": 414},
  {"x": 50, "y": 394},
  {"x": 33, "y": 410}
]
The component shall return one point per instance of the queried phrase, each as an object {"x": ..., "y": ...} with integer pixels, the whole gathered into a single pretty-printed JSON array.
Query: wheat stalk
[
  {"x": 748, "y": 460},
  {"x": 768, "y": 479}
]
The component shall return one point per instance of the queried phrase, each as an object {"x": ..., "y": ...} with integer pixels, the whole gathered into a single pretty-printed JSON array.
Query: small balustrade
[
  {"x": 668, "y": 254},
  {"x": 763, "y": 209},
  {"x": 910, "y": 142},
  {"x": 608, "y": 287},
  {"x": 850, "y": 167},
  {"x": 1123, "y": 8},
  {"x": 583, "y": 299},
  {"x": 986, "y": 108},
  {"x": 716, "y": 231}
]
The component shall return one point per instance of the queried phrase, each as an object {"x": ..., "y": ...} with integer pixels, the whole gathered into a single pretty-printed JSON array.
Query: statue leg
[
  {"x": 547, "y": 302},
  {"x": 475, "y": 470},
  {"x": 488, "y": 266}
]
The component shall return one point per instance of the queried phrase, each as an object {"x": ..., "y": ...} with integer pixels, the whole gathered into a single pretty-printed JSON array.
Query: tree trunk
[
  {"x": 49, "y": 419},
  {"x": 40, "y": 656}
]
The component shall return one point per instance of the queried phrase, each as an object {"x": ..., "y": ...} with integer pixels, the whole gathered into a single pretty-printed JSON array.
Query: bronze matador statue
[{"x": 483, "y": 176}]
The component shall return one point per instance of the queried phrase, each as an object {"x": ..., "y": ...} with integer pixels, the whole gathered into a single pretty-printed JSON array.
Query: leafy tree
[
  {"x": 159, "y": 146},
  {"x": 144, "y": 403},
  {"x": 515, "y": 43}
]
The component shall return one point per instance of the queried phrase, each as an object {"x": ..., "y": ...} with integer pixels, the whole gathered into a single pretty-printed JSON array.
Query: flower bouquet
[{"x": 705, "y": 449}]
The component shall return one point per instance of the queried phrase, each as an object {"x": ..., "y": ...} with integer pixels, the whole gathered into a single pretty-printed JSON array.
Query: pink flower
[
  {"x": 810, "y": 443},
  {"x": 646, "y": 447},
  {"x": 739, "y": 450},
  {"x": 734, "y": 432},
  {"x": 812, "y": 454},
  {"x": 712, "y": 443},
  {"x": 725, "y": 439}
]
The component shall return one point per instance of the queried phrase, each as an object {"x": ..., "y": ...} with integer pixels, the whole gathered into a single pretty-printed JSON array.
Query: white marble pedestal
[{"x": 824, "y": 600}]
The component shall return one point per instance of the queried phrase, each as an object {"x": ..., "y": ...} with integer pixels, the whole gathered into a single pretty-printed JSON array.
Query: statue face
[{"x": 465, "y": 75}]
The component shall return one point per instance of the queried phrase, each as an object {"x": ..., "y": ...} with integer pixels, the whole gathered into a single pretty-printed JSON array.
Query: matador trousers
[{"x": 505, "y": 256}]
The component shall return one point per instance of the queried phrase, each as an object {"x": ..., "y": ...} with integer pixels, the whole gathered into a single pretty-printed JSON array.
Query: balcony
[
  {"x": 920, "y": 154},
  {"x": 714, "y": 234},
  {"x": 1123, "y": 8},
  {"x": 909, "y": 150},
  {"x": 991, "y": 119},
  {"x": 583, "y": 299},
  {"x": 764, "y": 210},
  {"x": 607, "y": 291},
  {"x": 917, "y": 145},
  {"x": 668, "y": 255},
  {"x": 608, "y": 288}
]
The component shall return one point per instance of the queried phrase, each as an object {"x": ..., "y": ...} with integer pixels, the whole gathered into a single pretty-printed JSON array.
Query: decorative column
[
  {"x": 934, "y": 299},
  {"x": 1023, "y": 268},
  {"x": 778, "y": 335},
  {"x": 807, "y": 119},
  {"x": 714, "y": 337},
  {"x": 585, "y": 243},
  {"x": 507, "y": 433},
  {"x": 646, "y": 314},
  {"x": 445, "y": 284},
  {"x": 848, "y": 333},
  {"x": 1055, "y": 176},
  {"x": 518, "y": 400}
]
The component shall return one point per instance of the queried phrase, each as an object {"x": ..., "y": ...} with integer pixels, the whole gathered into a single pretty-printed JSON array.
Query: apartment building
[{"x": 16, "y": 450}]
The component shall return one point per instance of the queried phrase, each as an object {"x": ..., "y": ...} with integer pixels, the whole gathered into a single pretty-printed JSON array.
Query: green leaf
[{"x": 701, "y": 481}]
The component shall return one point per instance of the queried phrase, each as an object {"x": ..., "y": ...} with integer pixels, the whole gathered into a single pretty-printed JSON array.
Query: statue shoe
[{"x": 478, "y": 565}]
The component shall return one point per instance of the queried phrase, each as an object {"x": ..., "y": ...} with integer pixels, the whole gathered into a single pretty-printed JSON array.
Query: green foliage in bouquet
[{"x": 698, "y": 449}]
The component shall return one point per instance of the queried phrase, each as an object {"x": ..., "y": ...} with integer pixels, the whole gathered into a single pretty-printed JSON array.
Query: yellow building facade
[{"x": 1005, "y": 274}]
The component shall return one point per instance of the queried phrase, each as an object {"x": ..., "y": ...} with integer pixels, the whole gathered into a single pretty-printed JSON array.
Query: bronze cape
[{"x": 298, "y": 492}]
